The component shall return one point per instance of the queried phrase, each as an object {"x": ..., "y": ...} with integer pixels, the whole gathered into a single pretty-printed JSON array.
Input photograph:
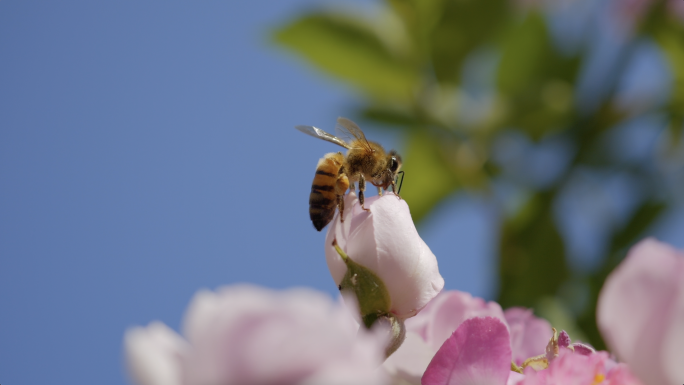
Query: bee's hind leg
[
  {"x": 340, "y": 188},
  {"x": 362, "y": 188},
  {"x": 340, "y": 206}
]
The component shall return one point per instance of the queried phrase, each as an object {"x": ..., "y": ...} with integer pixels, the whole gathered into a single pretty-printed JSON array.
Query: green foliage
[
  {"x": 462, "y": 28},
  {"x": 428, "y": 178},
  {"x": 415, "y": 67},
  {"x": 532, "y": 255},
  {"x": 536, "y": 79},
  {"x": 668, "y": 33},
  {"x": 352, "y": 51}
]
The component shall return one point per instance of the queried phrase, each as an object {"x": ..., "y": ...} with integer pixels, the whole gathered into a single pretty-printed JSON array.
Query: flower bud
[{"x": 385, "y": 241}]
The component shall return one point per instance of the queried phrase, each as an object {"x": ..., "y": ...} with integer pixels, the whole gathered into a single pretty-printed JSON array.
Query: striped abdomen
[{"x": 327, "y": 186}]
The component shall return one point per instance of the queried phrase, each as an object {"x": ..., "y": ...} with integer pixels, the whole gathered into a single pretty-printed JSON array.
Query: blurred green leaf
[
  {"x": 536, "y": 80},
  {"x": 427, "y": 179},
  {"x": 464, "y": 26},
  {"x": 557, "y": 313},
  {"x": 419, "y": 17},
  {"x": 640, "y": 221},
  {"x": 348, "y": 49},
  {"x": 387, "y": 115},
  {"x": 532, "y": 255},
  {"x": 668, "y": 34},
  {"x": 524, "y": 50}
]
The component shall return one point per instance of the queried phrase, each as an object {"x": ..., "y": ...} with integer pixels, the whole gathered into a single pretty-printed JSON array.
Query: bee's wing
[
  {"x": 320, "y": 134},
  {"x": 349, "y": 128}
]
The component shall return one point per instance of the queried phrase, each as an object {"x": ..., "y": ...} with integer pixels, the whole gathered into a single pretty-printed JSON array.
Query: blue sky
[{"x": 147, "y": 150}]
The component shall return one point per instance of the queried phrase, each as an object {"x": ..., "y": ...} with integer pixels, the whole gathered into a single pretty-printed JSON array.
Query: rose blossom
[
  {"x": 478, "y": 352},
  {"x": 641, "y": 312},
  {"x": 446, "y": 312},
  {"x": 386, "y": 241},
  {"x": 529, "y": 334},
  {"x": 579, "y": 369},
  {"x": 249, "y": 335},
  {"x": 427, "y": 331}
]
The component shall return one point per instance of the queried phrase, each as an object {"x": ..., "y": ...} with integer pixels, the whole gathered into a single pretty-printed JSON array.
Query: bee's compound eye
[{"x": 393, "y": 164}]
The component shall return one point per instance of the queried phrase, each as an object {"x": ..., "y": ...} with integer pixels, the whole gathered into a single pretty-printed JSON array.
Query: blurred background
[{"x": 147, "y": 151}]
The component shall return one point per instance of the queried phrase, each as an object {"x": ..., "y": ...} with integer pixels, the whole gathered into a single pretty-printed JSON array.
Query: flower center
[{"x": 598, "y": 379}]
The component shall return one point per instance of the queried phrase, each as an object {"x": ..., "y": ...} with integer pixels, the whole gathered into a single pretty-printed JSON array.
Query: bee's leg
[
  {"x": 340, "y": 205},
  {"x": 362, "y": 188},
  {"x": 340, "y": 188},
  {"x": 394, "y": 190},
  {"x": 379, "y": 190}
]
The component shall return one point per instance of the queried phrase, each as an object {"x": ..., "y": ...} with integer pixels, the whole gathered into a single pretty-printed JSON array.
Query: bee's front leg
[
  {"x": 394, "y": 190},
  {"x": 362, "y": 188}
]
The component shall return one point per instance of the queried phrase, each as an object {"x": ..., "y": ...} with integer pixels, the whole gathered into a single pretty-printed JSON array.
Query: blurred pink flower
[
  {"x": 529, "y": 334},
  {"x": 676, "y": 8},
  {"x": 250, "y": 335},
  {"x": 478, "y": 352},
  {"x": 427, "y": 331},
  {"x": 155, "y": 354},
  {"x": 386, "y": 241},
  {"x": 578, "y": 369},
  {"x": 446, "y": 312},
  {"x": 641, "y": 312},
  {"x": 577, "y": 347}
]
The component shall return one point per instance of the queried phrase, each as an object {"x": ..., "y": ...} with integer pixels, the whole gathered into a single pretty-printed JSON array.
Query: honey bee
[{"x": 365, "y": 161}]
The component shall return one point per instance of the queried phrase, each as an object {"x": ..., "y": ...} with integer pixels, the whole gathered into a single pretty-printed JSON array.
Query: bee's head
[{"x": 386, "y": 177}]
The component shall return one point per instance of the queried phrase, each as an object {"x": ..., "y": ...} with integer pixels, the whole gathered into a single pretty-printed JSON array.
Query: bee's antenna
[{"x": 402, "y": 181}]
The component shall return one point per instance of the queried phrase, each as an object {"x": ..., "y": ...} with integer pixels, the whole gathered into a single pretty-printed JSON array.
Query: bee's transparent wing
[
  {"x": 348, "y": 128},
  {"x": 320, "y": 134}
]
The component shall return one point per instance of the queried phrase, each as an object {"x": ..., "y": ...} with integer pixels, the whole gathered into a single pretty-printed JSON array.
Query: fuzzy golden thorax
[{"x": 360, "y": 161}]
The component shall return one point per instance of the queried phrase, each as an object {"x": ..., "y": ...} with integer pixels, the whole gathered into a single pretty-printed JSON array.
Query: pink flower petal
[
  {"x": 479, "y": 352},
  {"x": 443, "y": 315},
  {"x": 563, "y": 339},
  {"x": 244, "y": 334},
  {"x": 529, "y": 334},
  {"x": 569, "y": 369},
  {"x": 641, "y": 312},
  {"x": 386, "y": 241},
  {"x": 409, "y": 362},
  {"x": 515, "y": 378},
  {"x": 621, "y": 375},
  {"x": 673, "y": 349},
  {"x": 580, "y": 348},
  {"x": 432, "y": 326}
]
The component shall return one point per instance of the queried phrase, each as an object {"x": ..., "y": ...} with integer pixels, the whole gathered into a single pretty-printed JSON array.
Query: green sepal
[{"x": 370, "y": 292}]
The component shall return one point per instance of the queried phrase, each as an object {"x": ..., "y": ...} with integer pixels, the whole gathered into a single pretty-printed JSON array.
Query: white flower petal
[{"x": 154, "y": 354}]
